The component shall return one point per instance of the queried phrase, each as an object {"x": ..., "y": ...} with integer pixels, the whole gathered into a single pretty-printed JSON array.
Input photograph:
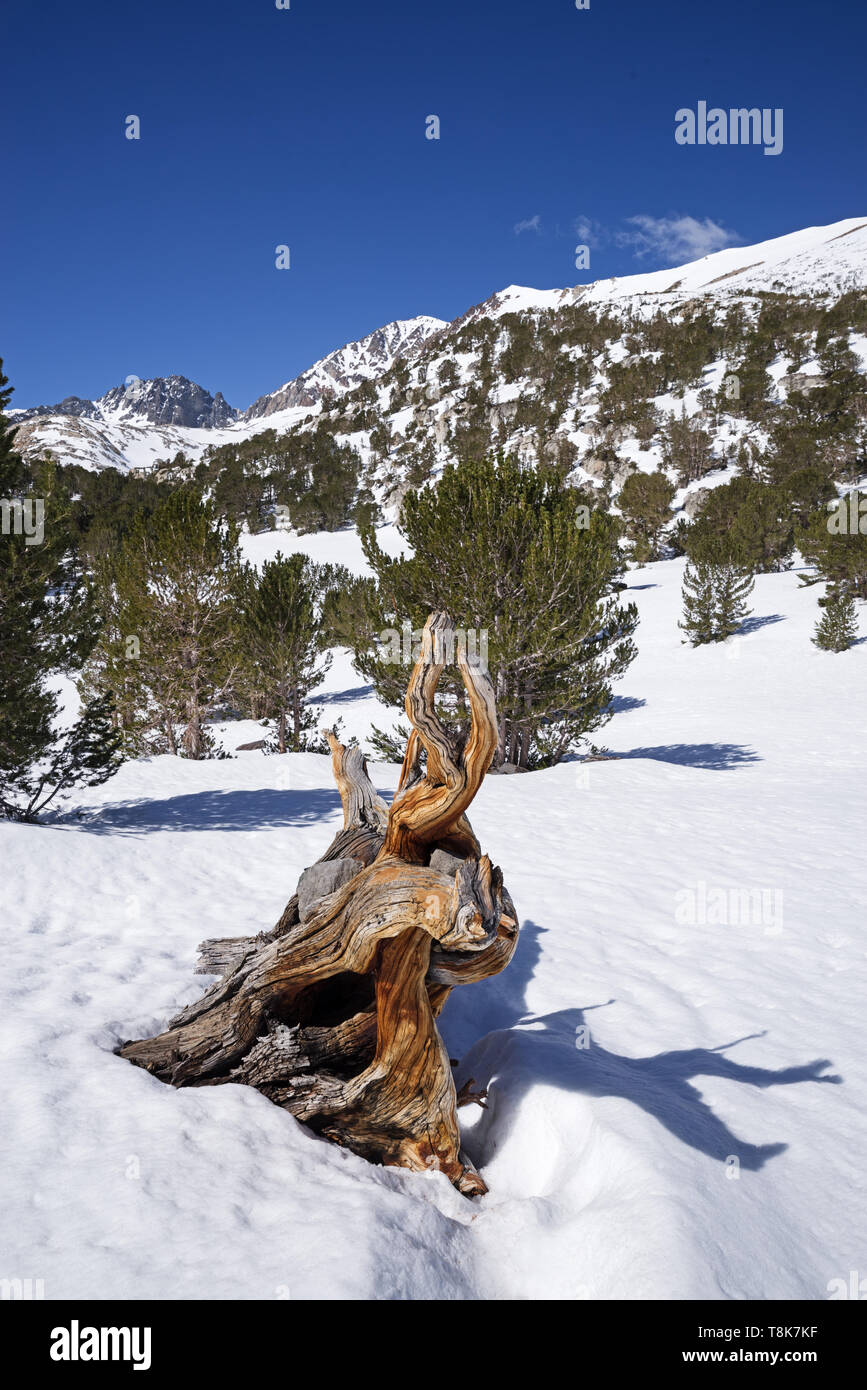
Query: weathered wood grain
[{"x": 335, "y": 1018}]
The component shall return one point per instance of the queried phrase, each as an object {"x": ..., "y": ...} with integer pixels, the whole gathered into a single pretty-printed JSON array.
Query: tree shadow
[
  {"x": 621, "y": 703},
  {"x": 716, "y": 756},
  {"x": 756, "y": 624},
  {"x": 343, "y": 697},
  {"x": 267, "y": 808},
  {"x": 559, "y": 1049}
]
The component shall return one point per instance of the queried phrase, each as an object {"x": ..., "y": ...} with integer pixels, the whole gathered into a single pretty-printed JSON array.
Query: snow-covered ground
[{"x": 675, "y": 1057}]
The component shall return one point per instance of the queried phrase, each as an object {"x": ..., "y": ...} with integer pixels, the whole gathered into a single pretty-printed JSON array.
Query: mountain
[
  {"x": 172, "y": 400},
  {"x": 168, "y": 401},
  {"x": 140, "y": 422},
  {"x": 522, "y": 364},
  {"x": 827, "y": 261},
  {"x": 132, "y": 425},
  {"x": 345, "y": 369}
]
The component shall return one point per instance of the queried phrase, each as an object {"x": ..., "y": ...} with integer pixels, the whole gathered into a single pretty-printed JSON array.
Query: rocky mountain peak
[{"x": 172, "y": 400}]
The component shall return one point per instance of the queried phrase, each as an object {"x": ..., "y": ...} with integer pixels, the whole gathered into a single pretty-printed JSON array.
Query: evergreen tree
[
  {"x": 686, "y": 448},
  {"x": 645, "y": 501},
  {"x": 714, "y": 601},
  {"x": 168, "y": 640},
  {"x": 743, "y": 523},
  {"x": 278, "y": 633},
  {"x": 46, "y": 628},
  {"x": 698, "y": 603},
  {"x": 305, "y": 470},
  {"x": 518, "y": 555},
  {"x": 837, "y": 628},
  {"x": 731, "y": 590},
  {"x": 447, "y": 374},
  {"x": 835, "y": 541},
  {"x": 87, "y": 755}
]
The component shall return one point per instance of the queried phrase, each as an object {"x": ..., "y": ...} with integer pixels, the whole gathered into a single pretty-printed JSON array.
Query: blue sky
[{"x": 306, "y": 127}]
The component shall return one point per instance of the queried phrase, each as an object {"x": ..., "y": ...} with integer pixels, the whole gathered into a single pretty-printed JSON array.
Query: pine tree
[
  {"x": 686, "y": 448},
  {"x": 698, "y": 603},
  {"x": 522, "y": 563},
  {"x": 835, "y": 541},
  {"x": 46, "y": 628},
  {"x": 743, "y": 523},
  {"x": 26, "y": 706},
  {"x": 714, "y": 601},
  {"x": 645, "y": 501},
  {"x": 732, "y": 587},
  {"x": 278, "y": 632},
  {"x": 837, "y": 628},
  {"x": 168, "y": 640}
]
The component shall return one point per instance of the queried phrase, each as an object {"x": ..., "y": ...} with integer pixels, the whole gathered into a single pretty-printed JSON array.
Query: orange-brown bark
[{"x": 334, "y": 1017}]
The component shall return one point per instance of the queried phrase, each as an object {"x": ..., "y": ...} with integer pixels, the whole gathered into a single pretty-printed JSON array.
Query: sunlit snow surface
[{"x": 709, "y": 1142}]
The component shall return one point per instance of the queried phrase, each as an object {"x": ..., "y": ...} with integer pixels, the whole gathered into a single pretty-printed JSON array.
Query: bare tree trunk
[
  {"x": 501, "y": 720},
  {"x": 526, "y": 728},
  {"x": 193, "y": 742},
  {"x": 333, "y": 1016},
  {"x": 296, "y": 714}
]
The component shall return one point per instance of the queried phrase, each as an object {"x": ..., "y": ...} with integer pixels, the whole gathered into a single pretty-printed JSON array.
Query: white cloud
[
  {"x": 676, "y": 239},
  {"x": 531, "y": 224},
  {"x": 588, "y": 232}
]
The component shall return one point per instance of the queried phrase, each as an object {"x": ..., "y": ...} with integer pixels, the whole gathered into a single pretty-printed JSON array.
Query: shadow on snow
[
  {"x": 266, "y": 808},
  {"x": 756, "y": 624},
  {"x": 716, "y": 756},
  {"x": 529, "y": 1050}
]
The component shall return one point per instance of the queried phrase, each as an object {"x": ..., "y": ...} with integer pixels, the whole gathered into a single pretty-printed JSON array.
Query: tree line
[
  {"x": 190, "y": 632},
  {"x": 140, "y": 591}
]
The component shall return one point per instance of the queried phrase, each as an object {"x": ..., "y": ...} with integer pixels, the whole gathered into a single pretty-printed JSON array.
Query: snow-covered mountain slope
[
  {"x": 172, "y": 400},
  {"x": 131, "y": 426},
  {"x": 674, "y": 1058},
  {"x": 134, "y": 426},
  {"x": 349, "y": 366},
  {"x": 816, "y": 261},
  {"x": 111, "y": 443}
]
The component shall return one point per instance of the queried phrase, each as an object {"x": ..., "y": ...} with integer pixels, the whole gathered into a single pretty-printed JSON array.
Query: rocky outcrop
[
  {"x": 172, "y": 400},
  {"x": 72, "y": 405},
  {"x": 695, "y": 500},
  {"x": 803, "y": 381},
  {"x": 617, "y": 470}
]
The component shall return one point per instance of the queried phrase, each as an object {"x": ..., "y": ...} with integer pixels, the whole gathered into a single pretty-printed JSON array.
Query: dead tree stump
[{"x": 332, "y": 1015}]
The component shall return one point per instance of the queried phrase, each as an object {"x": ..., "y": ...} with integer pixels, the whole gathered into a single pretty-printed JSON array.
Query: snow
[
  {"x": 816, "y": 261},
  {"x": 716, "y": 1047},
  {"x": 324, "y": 547},
  {"x": 117, "y": 438},
  {"x": 366, "y": 358}
]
